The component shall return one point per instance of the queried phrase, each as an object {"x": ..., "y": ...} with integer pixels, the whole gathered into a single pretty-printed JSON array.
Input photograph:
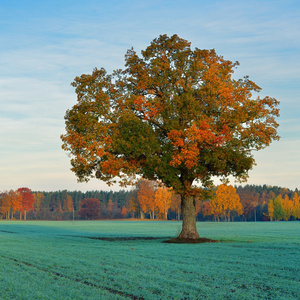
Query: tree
[
  {"x": 175, "y": 115},
  {"x": 38, "y": 200},
  {"x": 226, "y": 201},
  {"x": 89, "y": 208},
  {"x": 271, "y": 210},
  {"x": 250, "y": 199},
  {"x": 68, "y": 205},
  {"x": 124, "y": 212},
  {"x": 133, "y": 206},
  {"x": 206, "y": 208},
  {"x": 278, "y": 208},
  {"x": 175, "y": 205},
  {"x": 296, "y": 206},
  {"x": 110, "y": 208},
  {"x": 27, "y": 201},
  {"x": 163, "y": 196},
  {"x": 15, "y": 199},
  {"x": 287, "y": 206},
  {"x": 146, "y": 197},
  {"x": 5, "y": 204},
  {"x": 216, "y": 208}
]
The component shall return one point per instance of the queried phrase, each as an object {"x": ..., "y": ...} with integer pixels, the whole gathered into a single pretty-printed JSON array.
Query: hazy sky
[{"x": 44, "y": 45}]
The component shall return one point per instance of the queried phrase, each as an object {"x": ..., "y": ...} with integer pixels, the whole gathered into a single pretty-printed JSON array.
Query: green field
[{"x": 66, "y": 260}]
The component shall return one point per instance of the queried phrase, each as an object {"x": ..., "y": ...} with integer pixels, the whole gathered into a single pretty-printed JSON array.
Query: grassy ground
[{"x": 66, "y": 260}]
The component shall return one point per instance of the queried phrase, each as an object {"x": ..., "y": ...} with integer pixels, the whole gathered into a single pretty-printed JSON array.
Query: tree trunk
[
  {"x": 188, "y": 212},
  {"x": 142, "y": 215}
]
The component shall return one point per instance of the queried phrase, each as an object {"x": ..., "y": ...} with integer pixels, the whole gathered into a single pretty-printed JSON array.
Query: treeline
[
  {"x": 152, "y": 201},
  {"x": 63, "y": 205},
  {"x": 261, "y": 203},
  {"x": 265, "y": 203}
]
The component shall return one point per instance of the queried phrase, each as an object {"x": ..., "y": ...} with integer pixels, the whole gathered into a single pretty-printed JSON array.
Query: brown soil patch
[
  {"x": 167, "y": 240},
  {"x": 190, "y": 241}
]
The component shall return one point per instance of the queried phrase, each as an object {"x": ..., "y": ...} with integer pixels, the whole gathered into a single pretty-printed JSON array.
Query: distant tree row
[
  {"x": 284, "y": 208},
  {"x": 224, "y": 203},
  {"x": 154, "y": 201},
  {"x": 61, "y": 205},
  {"x": 257, "y": 200},
  {"x": 251, "y": 203},
  {"x": 20, "y": 201}
]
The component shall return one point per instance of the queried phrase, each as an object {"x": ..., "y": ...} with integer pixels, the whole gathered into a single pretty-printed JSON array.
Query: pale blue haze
[{"x": 45, "y": 44}]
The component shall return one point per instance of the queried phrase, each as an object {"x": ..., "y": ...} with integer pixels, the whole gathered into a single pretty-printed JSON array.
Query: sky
[{"x": 44, "y": 45}]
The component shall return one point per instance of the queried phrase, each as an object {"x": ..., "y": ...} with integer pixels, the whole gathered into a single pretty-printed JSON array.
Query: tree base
[{"x": 179, "y": 240}]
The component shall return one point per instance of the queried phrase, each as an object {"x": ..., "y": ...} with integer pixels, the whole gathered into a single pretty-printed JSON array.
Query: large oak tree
[{"x": 173, "y": 114}]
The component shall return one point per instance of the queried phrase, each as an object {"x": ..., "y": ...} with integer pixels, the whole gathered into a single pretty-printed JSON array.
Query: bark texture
[{"x": 188, "y": 211}]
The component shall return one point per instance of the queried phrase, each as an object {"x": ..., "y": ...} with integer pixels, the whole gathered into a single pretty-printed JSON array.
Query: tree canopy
[{"x": 173, "y": 114}]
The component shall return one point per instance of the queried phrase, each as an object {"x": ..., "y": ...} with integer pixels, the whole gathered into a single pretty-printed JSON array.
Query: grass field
[{"x": 66, "y": 260}]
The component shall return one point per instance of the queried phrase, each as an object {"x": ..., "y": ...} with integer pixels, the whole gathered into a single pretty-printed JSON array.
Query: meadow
[{"x": 128, "y": 260}]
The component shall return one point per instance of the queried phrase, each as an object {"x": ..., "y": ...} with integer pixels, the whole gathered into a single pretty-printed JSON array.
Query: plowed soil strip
[{"x": 113, "y": 291}]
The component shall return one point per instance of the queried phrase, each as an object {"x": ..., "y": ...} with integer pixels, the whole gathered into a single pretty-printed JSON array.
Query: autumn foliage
[
  {"x": 163, "y": 199},
  {"x": 262, "y": 203},
  {"x": 175, "y": 115},
  {"x": 226, "y": 201},
  {"x": 27, "y": 201},
  {"x": 284, "y": 207},
  {"x": 89, "y": 208},
  {"x": 154, "y": 199},
  {"x": 146, "y": 198},
  {"x": 21, "y": 200}
]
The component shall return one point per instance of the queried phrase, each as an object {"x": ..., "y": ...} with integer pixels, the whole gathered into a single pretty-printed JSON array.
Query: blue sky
[{"x": 44, "y": 45}]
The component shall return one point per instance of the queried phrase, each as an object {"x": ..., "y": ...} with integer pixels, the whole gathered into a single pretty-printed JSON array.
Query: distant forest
[{"x": 259, "y": 203}]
